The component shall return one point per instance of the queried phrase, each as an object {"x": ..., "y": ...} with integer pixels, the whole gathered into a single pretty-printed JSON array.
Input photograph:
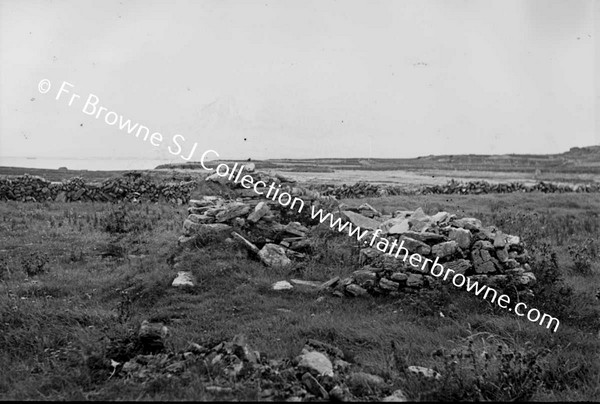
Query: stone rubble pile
[
  {"x": 256, "y": 225},
  {"x": 133, "y": 187},
  {"x": 484, "y": 254},
  {"x": 319, "y": 372}
]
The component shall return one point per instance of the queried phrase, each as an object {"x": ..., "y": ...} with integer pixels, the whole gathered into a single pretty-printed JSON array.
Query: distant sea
[{"x": 93, "y": 164}]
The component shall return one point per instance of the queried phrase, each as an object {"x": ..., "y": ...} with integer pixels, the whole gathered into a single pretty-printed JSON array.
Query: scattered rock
[
  {"x": 250, "y": 246},
  {"x": 397, "y": 396},
  {"x": 184, "y": 278},
  {"x": 314, "y": 386},
  {"x": 152, "y": 336},
  {"x": 355, "y": 290},
  {"x": 426, "y": 372},
  {"x": 362, "y": 384},
  {"x": 282, "y": 285},
  {"x": 273, "y": 255},
  {"x": 361, "y": 221},
  {"x": 315, "y": 363},
  {"x": 260, "y": 210}
]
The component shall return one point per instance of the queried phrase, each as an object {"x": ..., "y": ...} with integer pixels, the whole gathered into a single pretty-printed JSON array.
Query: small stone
[
  {"x": 250, "y": 246},
  {"x": 313, "y": 386},
  {"x": 330, "y": 283},
  {"x": 194, "y": 218},
  {"x": 511, "y": 263},
  {"x": 468, "y": 223},
  {"x": 362, "y": 383},
  {"x": 462, "y": 236},
  {"x": 396, "y": 397},
  {"x": 414, "y": 280},
  {"x": 189, "y": 227},
  {"x": 219, "y": 390},
  {"x": 260, "y": 210},
  {"x": 296, "y": 229},
  {"x": 444, "y": 250},
  {"x": 413, "y": 246},
  {"x": 364, "y": 277},
  {"x": 399, "y": 228},
  {"x": 483, "y": 245},
  {"x": 184, "y": 278},
  {"x": 426, "y": 372},
  {"x": 231, "y": 211},
  {"x": 500, "y": 240},
  {"x": 512, "y": 240},
  {"x": 315, "y": 363},
  {"x": 274, "y": 255},
  {"x": 361, "y": 221},
  {"x": 341, "y": 365},
  {"x": 527, "y": 279},
  {"x": 302, "y": 282},
  {"x": 368, "y": 255},
  {"x": 426, "y": 237},
  {"x": 399, "y": 277},
  {"x": 355, "y": 290},
  {"x": 419, "y": 214},
  {"x": 282, "y": 285},
  {"x": 152, "y": 336},
  {"x": 460, "y": 266},
  {"x": 386, "y": 284},
  {"x": 440, "y": 217},
  {"x": 339, "y": 394},
  {"x": 502, "y": 254}
]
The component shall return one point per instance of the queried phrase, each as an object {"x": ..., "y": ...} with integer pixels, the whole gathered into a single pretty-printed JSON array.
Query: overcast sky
[{"x": 300, "y": 78}]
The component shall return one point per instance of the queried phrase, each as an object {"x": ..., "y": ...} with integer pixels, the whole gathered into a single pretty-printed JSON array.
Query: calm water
[{"x": 84, "y": 164}]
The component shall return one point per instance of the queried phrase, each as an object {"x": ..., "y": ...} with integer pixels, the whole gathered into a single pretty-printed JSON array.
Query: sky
[{"x": 298, "y": 78}]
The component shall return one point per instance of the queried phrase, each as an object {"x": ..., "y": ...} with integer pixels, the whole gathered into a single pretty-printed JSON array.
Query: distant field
[
  {"x": 416, "y": 178},
  {"x": 578, "y": 165}
]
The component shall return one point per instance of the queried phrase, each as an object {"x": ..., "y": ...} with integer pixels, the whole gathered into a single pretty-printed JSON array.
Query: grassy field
[{"x": 74, "y": 291}]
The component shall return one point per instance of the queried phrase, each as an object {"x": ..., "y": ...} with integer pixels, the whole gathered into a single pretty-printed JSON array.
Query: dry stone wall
[
  {"x": 28, "y": 188},
  {"x": 367, "y": 190},
  {"x": 484, "y": 187}
]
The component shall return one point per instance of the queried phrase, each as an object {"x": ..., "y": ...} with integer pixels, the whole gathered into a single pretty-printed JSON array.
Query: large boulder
[{"x": 273, "y": 255}]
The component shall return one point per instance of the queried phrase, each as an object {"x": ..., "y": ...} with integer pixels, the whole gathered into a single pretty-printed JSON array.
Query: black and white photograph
[{"x": 300, "y": 200}]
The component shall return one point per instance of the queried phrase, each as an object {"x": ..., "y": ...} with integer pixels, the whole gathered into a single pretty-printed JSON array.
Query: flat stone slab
[{"x": 361, "y": 221}]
